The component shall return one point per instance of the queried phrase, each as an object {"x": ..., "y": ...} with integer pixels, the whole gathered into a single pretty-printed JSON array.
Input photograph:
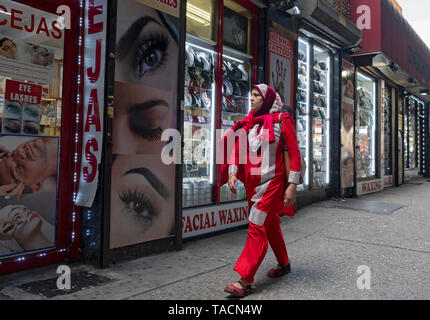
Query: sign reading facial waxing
[
  {"x": 199, "y": 221},
  {"x": 95, "y": 51}
]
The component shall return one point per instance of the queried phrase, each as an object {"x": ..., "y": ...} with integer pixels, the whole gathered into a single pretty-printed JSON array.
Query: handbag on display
[{"x": 287, "y": 159}]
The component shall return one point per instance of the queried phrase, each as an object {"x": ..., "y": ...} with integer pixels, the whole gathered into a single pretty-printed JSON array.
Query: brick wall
[{"x": 341, "y": 6}]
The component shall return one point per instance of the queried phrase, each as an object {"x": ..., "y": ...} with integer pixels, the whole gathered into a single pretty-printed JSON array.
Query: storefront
[
  {"x": 415, "y": 138},
  {"x": 393, "y": 84},
  {"x": 220, "y": 66},
  {"x": 321, "y": 97},
  {"x": 42, "y": 129},
  {"x": 299, "y": 56}
]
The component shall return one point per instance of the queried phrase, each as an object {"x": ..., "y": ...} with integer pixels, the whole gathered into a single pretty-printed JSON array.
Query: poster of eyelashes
[
  {"x": 280, "y": 75},
  {"x": 28, "y": 193},
  {"x": 142, "y": 204},
  {"x": 21, "y": 111}
]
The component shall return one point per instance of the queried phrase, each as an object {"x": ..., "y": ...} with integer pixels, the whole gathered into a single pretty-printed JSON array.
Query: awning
[
  {"x": 396, "y": 48},
  {"x": 327, "y": 19}
]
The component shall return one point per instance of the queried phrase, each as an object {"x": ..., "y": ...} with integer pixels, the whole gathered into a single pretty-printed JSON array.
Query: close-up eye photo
[
  {"x": 30, "y": 127},
  {"x": 146, "y": 46},
  {"x": 145, "y": 86},
  {"x": 141, "y": 116},
  {"x": 142, "y": 200},
  {"x": 12, "y": 110},
  {"x": 151, "y": 53},
  {"x": 11, "y": 126},
  {"x": 31, "y": 112}
]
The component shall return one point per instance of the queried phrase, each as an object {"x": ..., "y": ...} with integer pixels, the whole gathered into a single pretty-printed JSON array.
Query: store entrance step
[{"x": 361, "y": 205}]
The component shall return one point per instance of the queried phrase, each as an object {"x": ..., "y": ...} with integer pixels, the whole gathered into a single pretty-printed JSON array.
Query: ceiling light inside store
[
  {"x": 425, "y": 92},
  {"x": 189, "y": 15},
  {"x": 198, "y": 14}
]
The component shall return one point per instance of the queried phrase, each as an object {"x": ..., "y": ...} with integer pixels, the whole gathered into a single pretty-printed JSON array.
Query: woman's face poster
[{"x": 146, "y": 71}]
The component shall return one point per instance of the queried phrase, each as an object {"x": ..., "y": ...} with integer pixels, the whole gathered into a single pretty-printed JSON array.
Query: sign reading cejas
[
  {"x": 167, "y": 6},
  {"x": 95, "y": 48},
  {"x": 31, "y": 23},
  {"x": 204, "y": 220}
]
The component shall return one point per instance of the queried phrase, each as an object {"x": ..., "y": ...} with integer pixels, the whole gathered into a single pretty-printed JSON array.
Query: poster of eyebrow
[
  {"x": 146, "y": 71},
  {"x": 21, "y": 111},
  {"x": 28, "y": 193}
]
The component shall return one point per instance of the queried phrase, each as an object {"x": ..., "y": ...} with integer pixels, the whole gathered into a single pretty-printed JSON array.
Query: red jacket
[{"x": 263, "y": 174}]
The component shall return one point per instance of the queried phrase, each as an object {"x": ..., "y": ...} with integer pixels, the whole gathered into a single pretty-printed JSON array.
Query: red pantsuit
[
  {"x": 264, "y": 177},
  {"x": 256, "y": 247}
]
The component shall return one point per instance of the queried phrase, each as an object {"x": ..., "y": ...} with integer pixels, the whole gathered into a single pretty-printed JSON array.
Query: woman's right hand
[{"x": 232, "y": 183}]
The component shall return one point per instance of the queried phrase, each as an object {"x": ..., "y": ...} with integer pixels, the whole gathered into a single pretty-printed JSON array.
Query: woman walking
[{"x": 266, "y": 131}]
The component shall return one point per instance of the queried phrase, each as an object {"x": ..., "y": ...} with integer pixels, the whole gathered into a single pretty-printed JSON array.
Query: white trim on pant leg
[{"x": 256, "y": 216}]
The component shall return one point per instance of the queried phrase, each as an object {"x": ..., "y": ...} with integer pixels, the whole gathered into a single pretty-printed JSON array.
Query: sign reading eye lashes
[{"x": 21, "y": 111}]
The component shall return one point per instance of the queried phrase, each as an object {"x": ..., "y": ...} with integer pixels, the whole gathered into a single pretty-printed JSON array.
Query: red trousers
[{"x": 256, "y": 247}]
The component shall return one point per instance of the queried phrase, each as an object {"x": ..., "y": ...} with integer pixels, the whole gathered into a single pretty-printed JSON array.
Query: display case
[
  {"x": 235, "y": 102},
  {"x": 313, "y": 112},
  {"x": 410, "y": 136},
  {"x": 199, "y": 122},
  {"x": 424, "y": 137},
  {"x": 321, "y": 119},
  {"x": 302, "y": 109},
  {"x": 388, "y": 132},
  {"x": 204, "y": 110},
  {"x": 366, "y": 153},
  {"x": 421, "y": 137}
]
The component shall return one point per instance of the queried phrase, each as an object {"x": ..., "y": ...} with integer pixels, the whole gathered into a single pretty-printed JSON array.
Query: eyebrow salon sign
[{"x": 94, "y": 75}]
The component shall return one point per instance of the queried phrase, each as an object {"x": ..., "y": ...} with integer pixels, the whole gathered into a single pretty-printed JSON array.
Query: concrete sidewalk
[{"x": 326, "y": 247}]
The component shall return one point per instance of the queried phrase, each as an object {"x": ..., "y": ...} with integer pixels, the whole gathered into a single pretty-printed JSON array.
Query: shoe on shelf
[
  {"x": 241, "y": 292},
  {"x": 279, "y": 271}
]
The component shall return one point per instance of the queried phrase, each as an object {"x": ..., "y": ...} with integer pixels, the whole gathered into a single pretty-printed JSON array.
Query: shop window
[
  {"x": 412, "y": 149},
  {"x": 201, "y": 19},
  {"x": 321, "y": 118},
  {"x": 366, "y": 127},
  {"x": 200, "y": 101},
  {"x": 237, "y": 27},
  {"x": 31, "y": 67},
  {"x": 388, "y": 127}
]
